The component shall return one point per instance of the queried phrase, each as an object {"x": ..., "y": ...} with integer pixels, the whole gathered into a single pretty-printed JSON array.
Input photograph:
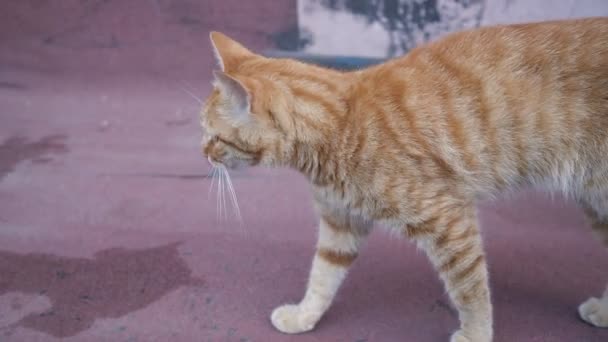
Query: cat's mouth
[
  {"x": 223, "y": 153},
  {"x": 231, "y": 163},
  {"x": 212, "y": 162}
]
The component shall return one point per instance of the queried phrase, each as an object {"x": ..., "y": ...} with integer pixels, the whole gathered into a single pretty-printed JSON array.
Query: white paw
[
  {"x": 595, "y": 312},
  {"x": 461, "y": 336},
  {"x": 290, "y": 319}
]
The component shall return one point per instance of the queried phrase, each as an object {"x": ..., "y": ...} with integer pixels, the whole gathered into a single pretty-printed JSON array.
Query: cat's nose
[
  {"x": 210, "y": 154},
  {"x": 205, "y": 142},
  {"x": 207, "y": 147}
]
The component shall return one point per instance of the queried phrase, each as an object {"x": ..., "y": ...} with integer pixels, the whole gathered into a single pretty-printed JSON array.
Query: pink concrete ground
[{"x": 108, "y": 232}]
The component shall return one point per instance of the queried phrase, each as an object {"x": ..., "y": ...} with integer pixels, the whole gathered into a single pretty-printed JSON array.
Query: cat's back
[
  {"x": 573, "y": 38},
  {"x": 553, "y": 50},
  {"x": 520, "y": 67},
  {"x": 504, "y": 102}
]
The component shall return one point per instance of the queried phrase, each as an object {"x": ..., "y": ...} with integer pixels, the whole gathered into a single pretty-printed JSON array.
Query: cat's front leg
[
  {"x": 452, "y": 241},
  {"x": 338, "y": 244}
]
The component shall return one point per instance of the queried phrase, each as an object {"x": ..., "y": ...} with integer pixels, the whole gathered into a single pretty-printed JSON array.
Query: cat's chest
[
  {"x": 342, "y": 196},
  {"x": 354, "y": 200}
]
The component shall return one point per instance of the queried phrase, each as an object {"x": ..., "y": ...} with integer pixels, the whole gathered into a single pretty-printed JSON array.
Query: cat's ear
[
  {"x": 228, "y": 52},
  {"x": 238, "y": 95}
]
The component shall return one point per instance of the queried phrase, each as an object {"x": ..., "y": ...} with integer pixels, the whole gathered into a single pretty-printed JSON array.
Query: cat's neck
[
  {"x": 318, "y": 121},
  {"x": 318, "y": 162},
  {"x": 319, "y": 159}
]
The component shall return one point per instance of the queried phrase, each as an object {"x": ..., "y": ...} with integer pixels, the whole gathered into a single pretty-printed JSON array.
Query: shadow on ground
[{"x": 17, "y": 149}]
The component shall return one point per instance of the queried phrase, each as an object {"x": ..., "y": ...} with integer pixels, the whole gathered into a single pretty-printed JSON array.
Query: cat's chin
[
  {"x": 237, "y": 165},
  {"x": 233, "y": 164}
]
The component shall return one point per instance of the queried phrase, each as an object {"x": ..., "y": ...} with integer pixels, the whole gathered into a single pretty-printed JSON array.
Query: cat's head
[
  {"x": 261, "y": 109},
  {"x": 238, "y": 127}
]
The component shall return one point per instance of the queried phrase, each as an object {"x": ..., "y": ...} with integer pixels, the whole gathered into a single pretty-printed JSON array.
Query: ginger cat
[{"x": 413, "y": 144}]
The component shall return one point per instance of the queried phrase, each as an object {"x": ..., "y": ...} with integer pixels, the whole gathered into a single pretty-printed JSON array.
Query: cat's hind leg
[
  {"x": 595, "y": 310},
  {"x": 339, "y": 237}
]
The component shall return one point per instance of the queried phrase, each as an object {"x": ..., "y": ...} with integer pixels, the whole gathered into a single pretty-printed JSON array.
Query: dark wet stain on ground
[
  {"x": 17, "y": 149},
  {"x": 12, "y": 85},
  {"x": 115, "y": 282}
]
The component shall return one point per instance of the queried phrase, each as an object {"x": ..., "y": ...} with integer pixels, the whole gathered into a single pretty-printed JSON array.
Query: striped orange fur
[{"x": 413, "y": 143}]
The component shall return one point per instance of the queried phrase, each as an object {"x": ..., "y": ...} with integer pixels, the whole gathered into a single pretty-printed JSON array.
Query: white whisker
[
  {"x": 219, "y": 194},
  {"x": 198, "y": 99},
  {"x": 211, "y": 175},
  {"x": 219, "y": 197},
  {"x": 189, "y": 86},
  {"x": 223, "y": 198},
  {"x": 224, "y": 188},
  {"x": 223, "y": 173},
  {"x": 233, "y": 198}
]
